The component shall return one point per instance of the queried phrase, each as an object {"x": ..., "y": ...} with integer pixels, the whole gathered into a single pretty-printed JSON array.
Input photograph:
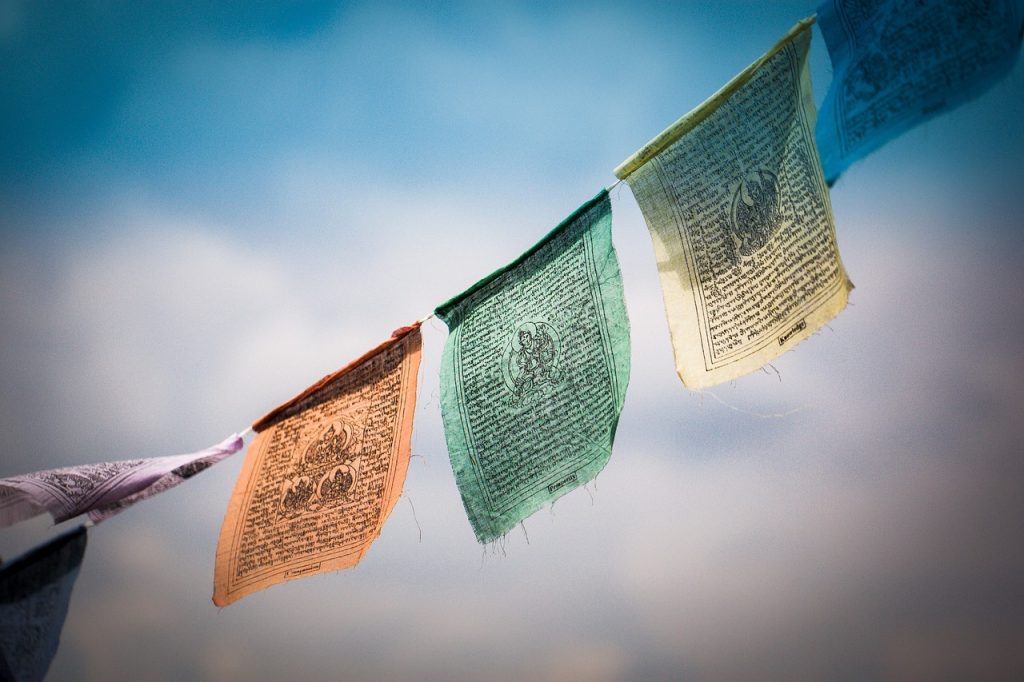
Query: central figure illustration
[
  {"x": 325, "y": 475},
  {"x": 530, "y": 360},
  {"x": 756, "y": 213}
]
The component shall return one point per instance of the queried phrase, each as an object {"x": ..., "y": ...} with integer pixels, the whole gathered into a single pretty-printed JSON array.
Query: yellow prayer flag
[{"x": 739, "y": 213}]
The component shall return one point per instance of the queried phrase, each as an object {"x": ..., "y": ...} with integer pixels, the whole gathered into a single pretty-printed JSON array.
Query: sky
[{"x": 205, "y": 207}]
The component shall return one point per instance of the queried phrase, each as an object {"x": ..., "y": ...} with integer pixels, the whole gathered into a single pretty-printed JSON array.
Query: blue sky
[{"x": 205, "y": 207}]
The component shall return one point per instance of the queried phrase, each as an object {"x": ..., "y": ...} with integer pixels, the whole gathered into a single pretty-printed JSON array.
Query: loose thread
[
  {"x": 414, "y": 518},
  {"x": 761, "y": 415}
]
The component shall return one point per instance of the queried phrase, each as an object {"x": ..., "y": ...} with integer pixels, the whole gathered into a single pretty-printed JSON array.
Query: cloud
[{"x": 823, "y": 544}]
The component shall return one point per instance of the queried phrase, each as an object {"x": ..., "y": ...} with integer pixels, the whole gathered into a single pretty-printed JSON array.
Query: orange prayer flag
[{"x": 322, "y": 474}]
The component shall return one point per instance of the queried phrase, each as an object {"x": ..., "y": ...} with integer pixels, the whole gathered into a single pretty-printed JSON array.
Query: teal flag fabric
[
  {"x": 534, "y": 373},
  {"x": 896, "y": 64}
]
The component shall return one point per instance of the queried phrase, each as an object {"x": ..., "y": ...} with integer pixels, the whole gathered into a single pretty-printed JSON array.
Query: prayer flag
[
  {"x": 741, "y": 222},
  {"x": 534, "y": 373},
  {"x": 102, "y": 490},
  {"x": 322, "y": 474},
  {"x": 34, "y": 593},
  {"x": 896, "y": 64}
]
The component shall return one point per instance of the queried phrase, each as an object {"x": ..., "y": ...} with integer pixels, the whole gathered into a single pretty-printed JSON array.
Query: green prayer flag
[{"x": 534, "y": 372}]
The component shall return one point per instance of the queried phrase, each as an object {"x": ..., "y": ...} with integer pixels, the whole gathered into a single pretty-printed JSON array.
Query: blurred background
[{"x": 206, "y": 206}]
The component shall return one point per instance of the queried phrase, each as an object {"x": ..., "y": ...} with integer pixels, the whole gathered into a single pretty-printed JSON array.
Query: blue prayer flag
[{"x": 896, "y": 64}]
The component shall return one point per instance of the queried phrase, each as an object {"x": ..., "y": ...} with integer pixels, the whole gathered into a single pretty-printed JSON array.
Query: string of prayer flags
[
  {"x": 741, "y": 222},
  {"x": 534, "y": 373},
  {"x": 896, "y": 64},
  {"x": 102, "y": 490},
  {"x": 322, "y": 474},
  {"x": 35, "y": 590}
]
